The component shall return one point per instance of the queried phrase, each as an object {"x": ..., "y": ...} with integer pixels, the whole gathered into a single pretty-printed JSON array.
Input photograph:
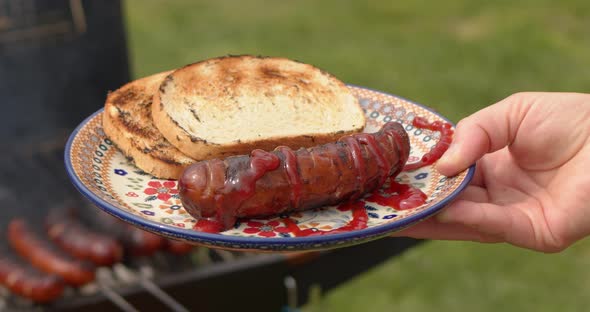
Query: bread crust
[
  {"x": 127, "y": 122},
  {"x": 228, "y": 77}
]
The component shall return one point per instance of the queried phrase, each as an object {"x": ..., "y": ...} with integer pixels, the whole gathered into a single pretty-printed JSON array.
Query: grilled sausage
[
  {"x": 135, "y": 241},
  {"x": 23, "y": 280},
  {"x": 270, "y": 183},
  {"x": 41, "y": 254},
  {"x": 78, "y": 240}
]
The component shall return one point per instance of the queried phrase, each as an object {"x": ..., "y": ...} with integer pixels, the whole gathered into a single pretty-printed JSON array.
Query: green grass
[
  {"x": 456, "y": 56},
  {"x": 457, "y": 276}
]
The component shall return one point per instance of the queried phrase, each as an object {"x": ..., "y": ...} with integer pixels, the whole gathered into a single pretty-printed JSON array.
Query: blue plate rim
[{"x": 254, "y": 242}]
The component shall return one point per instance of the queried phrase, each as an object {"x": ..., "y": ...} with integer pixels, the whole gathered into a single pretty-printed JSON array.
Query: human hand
[{"x": 532, "y": 182}]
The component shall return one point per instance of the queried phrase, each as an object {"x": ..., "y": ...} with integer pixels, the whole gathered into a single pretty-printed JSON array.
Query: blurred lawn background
[{"x": 455, "y": 56}]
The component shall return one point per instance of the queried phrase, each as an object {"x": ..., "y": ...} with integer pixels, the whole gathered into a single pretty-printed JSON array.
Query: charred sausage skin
[
  {"x": 78, "y": 240},
  {"x": 41, "y": 254},
  {"x": 23, "y": 280},
  {"x": 271, "y": 183}
]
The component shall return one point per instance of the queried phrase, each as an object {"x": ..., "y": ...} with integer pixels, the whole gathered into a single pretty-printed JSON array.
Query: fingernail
[
  {"x": 448, "y": 158},
  {"x": 450, "y": 154}
]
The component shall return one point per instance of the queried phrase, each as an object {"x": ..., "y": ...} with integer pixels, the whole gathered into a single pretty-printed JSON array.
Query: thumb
[{"x": 486, "y": 131}]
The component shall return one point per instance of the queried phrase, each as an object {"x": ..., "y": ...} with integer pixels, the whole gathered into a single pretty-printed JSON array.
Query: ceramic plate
[{"x": 109, "y": 180}]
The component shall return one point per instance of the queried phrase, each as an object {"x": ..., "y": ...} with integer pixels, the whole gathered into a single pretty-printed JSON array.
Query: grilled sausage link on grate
[
  {"x": 23, "y": 280},
  {"x": 41, "y": 254},
  {"x": 78, "y": 240}
]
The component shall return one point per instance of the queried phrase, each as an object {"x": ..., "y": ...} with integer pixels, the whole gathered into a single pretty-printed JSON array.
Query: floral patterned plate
[{"x": 102, "y": 174}]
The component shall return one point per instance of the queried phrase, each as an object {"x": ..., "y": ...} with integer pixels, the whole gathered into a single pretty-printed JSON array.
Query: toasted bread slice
[
  {"x": 232, "y": 105},
  {"x": 127, "y": 121}
]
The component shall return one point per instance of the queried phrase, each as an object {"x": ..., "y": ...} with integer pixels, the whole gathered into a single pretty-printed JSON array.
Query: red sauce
[
  {"x": 375, "y": 149},
  {"x": 359, "y": 163},
  {"x": 208, "y": 226},
  {"x": 260, "y": 163},
  {"x": 292, "y": 174},
  {"x": 446, "y": 136},
  {"x": 243, "y": 187},
  {"x": 358, "y": 221},
  {"x": 398, "y": 196}
]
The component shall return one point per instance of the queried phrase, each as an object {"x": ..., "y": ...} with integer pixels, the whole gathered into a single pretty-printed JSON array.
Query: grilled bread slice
[
  {"x": 127, "y": 121},
  {"x": 232, "y": 105}
]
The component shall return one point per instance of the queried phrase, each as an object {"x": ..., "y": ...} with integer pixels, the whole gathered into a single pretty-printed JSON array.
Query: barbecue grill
[{"x": 57, "y": 61}]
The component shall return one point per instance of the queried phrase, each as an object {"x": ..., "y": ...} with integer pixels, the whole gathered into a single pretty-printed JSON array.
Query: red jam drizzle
[
  {"x": 260, "y": 163},
  {"x": 375, "y": 149},
  {"x": 358, "y": 222},
  {"x": 243, "y": 186},
  {"x": 446, "y": 136},
  {"x": 292, "y": 174},
  {"x": 399, "y": 196},
  {"x": 208, "y": 226},
  {"x": 359, "y": 163}
]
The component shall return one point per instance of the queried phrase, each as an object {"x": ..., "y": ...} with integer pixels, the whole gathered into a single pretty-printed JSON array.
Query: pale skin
[{"x": 532, "y": 182}]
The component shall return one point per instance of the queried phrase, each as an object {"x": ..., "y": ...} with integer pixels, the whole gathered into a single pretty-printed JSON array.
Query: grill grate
[{"x": 33, "y": 181}]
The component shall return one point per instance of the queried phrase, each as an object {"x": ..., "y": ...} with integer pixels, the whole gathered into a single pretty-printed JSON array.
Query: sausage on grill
[
  {"x": 78, "y": 240},
  {"x": 44, "y": 256},
  {"x": 135, "y": 241},
  {"x": 23, "y": 280},
  {"x": 271, "y": 183}
]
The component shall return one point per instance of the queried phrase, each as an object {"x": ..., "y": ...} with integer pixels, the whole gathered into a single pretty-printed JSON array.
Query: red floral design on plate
[
  {"x": 163, "y": 191},
  {"x": 265, "y": 229}
]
